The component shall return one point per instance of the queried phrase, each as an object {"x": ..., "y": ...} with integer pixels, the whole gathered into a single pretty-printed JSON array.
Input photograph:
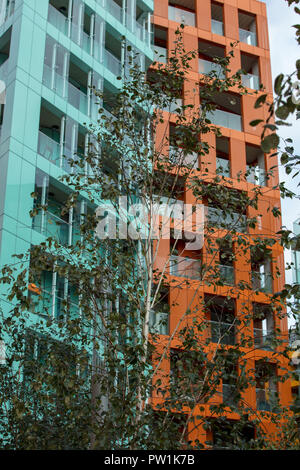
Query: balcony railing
[
  {"x": 160, "y": 54},
  {"x": 112, "y": 63},
  {"x": 266, "y": 400},
  {"x": 115, "y": 10},
  {"x": 205, "y": 67},
  {"x": 225, "y": 119},
  {"x": 223, "y": 167},
  {"x": 223, "y": 333},
  {"x": 185, "y": 267},
  {"x": 226, "y": 274},
  {"x": 251, "y": 81},
  {"x": 262, "y": 282},
  {"x": 52, "y": 151},
  {"x": 159, "y": 323},
  {"x": 256, "y": 175},
  {"x": 58, "y": 20},
  {"x": 217, "y": 27},
  {"x": 178, "y": 158},
  {"x": 55, "y": 81},
  {"x": 248, "y": 37},
  {"x": 51, "y": 304},
  {"x": 264, "y": 339},
  {"x": 231, "y": 220},
  {"x": 182, "y": 16},
  {"x": 77, "y": 98},
  {"x": 51, "y": 225}
]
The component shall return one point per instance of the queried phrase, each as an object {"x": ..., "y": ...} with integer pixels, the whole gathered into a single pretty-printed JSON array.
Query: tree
[{"x": 88, "y": 361}]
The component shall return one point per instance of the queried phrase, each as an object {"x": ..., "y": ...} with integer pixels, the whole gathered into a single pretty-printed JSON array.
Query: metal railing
[
  {"x": 160, "y": 54},
  {"x": 223, "y": 167},
  {"x": 251, "y": 81},
  {"x": 221, "y": 332},
  {"x": 262, "y": 282},
  {"x": 217, "y": 27},
  {"x": 205, "y": 67},
  {"x": 248, "y": 37},
  {"x": 182, "y": 16},
  {"x": 185, "y": 267},
  {"x": 264, "y": 339},
  {"x": 159, "y": 322},
  {"x": 266, "y": 400},
  {"x": 225, "y": 119},
  {"x": 226, "y": 274}
]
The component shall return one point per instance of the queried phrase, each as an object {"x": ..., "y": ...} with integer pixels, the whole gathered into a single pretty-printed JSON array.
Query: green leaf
[
  {"x": 260, "y": 101},
  {"x": 270, "y": 142},
  {"x": 256, "y": 122},
  {"x": 278, "y": 84},
  {"x": 282, "y": 112}
]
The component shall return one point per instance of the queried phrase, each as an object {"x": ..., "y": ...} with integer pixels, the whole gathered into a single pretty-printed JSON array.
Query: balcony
[
  {"x": 182, "y": 16},
  {"x": 226, "y": 274},
  {"x": 177, "y": 157},
  {"x": 78, "y": 99},
  {"x": 223, "y": 333},
  {"x": 231, "y": 220},
  {"x": 185, "y": 267},
  {"x": 222, "y": 118},
  {"x": 115, "y": 10},
  {"x": 266, "y": 400},
  {"x": 223, "y": 167},
  {"x": 206, "y": 67},
  {"x": 112, "y": 63},
  {"x": 159, "y": 323},
  {"x": 50, "y": 149},
  {"x": 251, "y": 81},
  {"x": 160, "y": 54},
  {"x": 58, "y": 307},
  {"x": 217, "y": 27},
  {"x": 256, "y": 175},
  {"x": 248, "y": 37},
  {"x": 264, "y": 339},
  {"x": 262, "y": 282},
  {"x": 51, "y": 225}
]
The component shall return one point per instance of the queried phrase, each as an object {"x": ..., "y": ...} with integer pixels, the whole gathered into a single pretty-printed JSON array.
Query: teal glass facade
[{"x": 51, "y": 53}]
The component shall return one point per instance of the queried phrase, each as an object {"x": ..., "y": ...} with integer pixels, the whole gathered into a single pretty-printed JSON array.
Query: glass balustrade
[
  {"x": 221, "y": 332},
  {"x": 217, "y": 27},
  {"x": 55, "y": 81},
  {"x": 226, "y": 274},
  {"x": 185, "y": 267},
  {"x": 48, "y": 304},
  {"x": 264, "y": 339},
  {"x": 251, "y": 81},
  {"x": 256, "y": 175},
  {"x": 114, "y": 9},
  {"x": 159, "y": 323},
  {"x": 222, "y": 118},
  {"x": 230, "y": 220},
  {"x": 248, "y": 37},
  {"x": 49, "y": 148},
  {"x": 266, "y": 400},
  {"x": 205, "y": 67},
  {"x": 160, "y": 54},
  {"x": 262, "y": 282},
  {"x": 58, "y": 20},
  {"x": 112, "y": 63},
  {"x": 223, "y": 167},
  {"x": 51, "y": 225},
  {"x": 182, "y": 16},
  {"x": 77, "y": 98}
]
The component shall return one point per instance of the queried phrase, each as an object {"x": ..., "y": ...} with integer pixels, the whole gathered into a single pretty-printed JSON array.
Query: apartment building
[{"x": 211, "y": 27}]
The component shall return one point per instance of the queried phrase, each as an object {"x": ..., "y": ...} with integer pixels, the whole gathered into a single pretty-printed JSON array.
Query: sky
[{"x": 284, "y": 53}]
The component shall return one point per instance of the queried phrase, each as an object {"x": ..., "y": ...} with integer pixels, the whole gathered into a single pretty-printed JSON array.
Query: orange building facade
[{"x": 211, "y": 28}]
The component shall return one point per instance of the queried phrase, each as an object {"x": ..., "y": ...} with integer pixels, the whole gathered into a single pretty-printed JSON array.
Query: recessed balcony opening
[
  {"x": 223, "y": 157},
  {"x": 78, "y": 83},
  {"x": 217, "y": 18},
  {"x": 160, "y": 44},
  {"x": 263, "y": 324},
  {"x": 183, "y": 11},
  {"x": 50, "y": 136},
  {"x": 261, "y": 270},
  {"x": 250, "y": 66},
  {"x": 226, "y": 257},
  {"x": 247, "y": 28},
  {"x": 115, "y": 8},
  {"x": 112, "y": 53},
  {"x": 5, "y": 41},
  {"x": 230, "y": 390},
  {"x": 228, "y": 112},
  {"x": 220, "y": 316},
  {"x": 61, "y": 5},
  {"x": 255, "y": 160},
  {"x": 227, "y": 209},
  {"x": 209, "y": 53},
  {"x": 172, "y": 102},
  {"x": 178, "y": 153},
  {"x": 266, "y": 386},
  {"x": 109, "y": 100}
]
